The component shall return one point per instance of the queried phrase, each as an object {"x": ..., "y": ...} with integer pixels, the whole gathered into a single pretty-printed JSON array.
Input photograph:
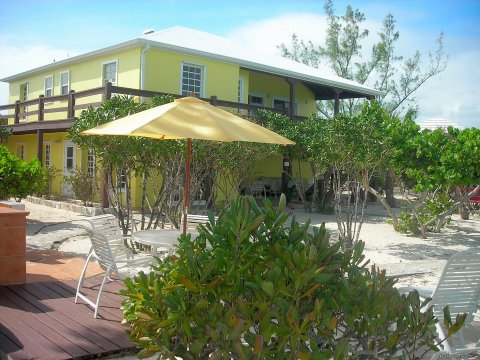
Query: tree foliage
[
  {"x": 431, "y": 164},
  {"x": 384, "y": 69},
  {"x": 254, "y": 284},
  {"x": 351, "y": 148},
  {"x": 217, "y": 168},
  {"x": 18, "y": 178}
]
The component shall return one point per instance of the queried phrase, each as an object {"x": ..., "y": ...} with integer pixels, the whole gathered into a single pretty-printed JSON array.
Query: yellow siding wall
[
  {"x": 272, "y": 167},
  {"x": 56, "y": 141},
  {"x": 164, "y": 73},
  {"x": 270, "y": 87},
  {"x": 83, "y": 76}
]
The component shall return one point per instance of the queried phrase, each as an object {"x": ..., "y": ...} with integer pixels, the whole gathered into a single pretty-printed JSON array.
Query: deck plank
[
  {"x": 109, "y": 303},
  {"x": 28, "y": 339},
  {"x": 62, "y": 324},
  {"x": 63, "y": 306},
  {"x": 40, "y": 321}
]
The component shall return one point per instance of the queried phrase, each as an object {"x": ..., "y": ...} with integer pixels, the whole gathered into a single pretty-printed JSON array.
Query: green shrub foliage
[
  {"x": 51, "y": 173},
  {"x": 83, "y": 185},
  {"x": 18, "y": 178},
  {"x": 256, "y": 285}
]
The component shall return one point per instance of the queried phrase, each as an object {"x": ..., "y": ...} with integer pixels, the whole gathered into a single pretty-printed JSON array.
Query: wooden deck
[{"x": 41, "y": 321}]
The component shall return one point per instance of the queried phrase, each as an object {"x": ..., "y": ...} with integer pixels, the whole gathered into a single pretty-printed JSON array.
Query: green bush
[
  {"x": 434, "y": 205},
  {"x": 254, "y": 285},
  {"x": 18, "y": 178},
  {"x": 51, "y": 173},
  {"x": 83, "y": 185}
]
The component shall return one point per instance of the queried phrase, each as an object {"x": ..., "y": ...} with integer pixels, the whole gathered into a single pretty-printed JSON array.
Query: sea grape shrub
[
  {"x": 18, "y": 178},
  {"x": 84, "y": 185},
  {"x": 256, "y": 284}
]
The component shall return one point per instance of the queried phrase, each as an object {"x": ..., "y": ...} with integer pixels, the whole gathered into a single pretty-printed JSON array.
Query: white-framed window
[
  {"x": 48, "y": 154},
  {"x": 256, "y": 99},
  {"x": 110, "y": 72},
  {"x": 283, "y": 104},
  {"x": 20, "y": 150},
  {"x": 123, "y": 180},
  {"x": 48, "y": 86},
  {"x": 91, "y": 162},
  {"x": 192, "y": 80},
  {"x": 64, "y": 82}
]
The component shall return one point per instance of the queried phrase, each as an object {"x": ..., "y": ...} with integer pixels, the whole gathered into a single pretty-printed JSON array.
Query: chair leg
[
  {"x": 441, "y": 335},
  {"x": 107, "y": 275},
  {"x": 82, "y": 275}
]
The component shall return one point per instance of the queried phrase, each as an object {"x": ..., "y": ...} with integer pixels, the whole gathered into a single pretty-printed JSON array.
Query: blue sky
[{"x": 33, "y": 33}]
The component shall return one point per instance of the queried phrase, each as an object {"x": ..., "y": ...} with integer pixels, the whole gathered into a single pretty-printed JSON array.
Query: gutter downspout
[{"x": 142, "y": 69}]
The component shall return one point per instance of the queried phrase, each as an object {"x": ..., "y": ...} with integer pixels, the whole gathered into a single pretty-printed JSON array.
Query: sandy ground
[{"x": 415, "y": 261}]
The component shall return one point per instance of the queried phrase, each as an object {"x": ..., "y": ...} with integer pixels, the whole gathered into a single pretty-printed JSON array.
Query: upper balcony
[{"x": 56, "y": 113}]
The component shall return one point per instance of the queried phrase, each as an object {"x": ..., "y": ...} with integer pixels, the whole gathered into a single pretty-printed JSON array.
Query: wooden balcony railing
[{"x": 71, "y": 100}]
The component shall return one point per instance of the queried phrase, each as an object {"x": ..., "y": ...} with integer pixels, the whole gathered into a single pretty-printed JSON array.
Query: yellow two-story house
[{"x": 43, "y": 101}]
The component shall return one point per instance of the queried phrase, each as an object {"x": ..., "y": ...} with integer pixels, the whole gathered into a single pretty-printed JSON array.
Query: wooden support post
[
  {"x": 107, "y": 93},
  {"x": 103, "y": 189},
  {"x": 71, "y": 105},
  {"x": 16, "y": 120},
  {"x": 41, "y": 108},
  {"x": 291, "y": 107},
  {"x": 336, "y": 107},
  {"x": 286, "y": 163},
  {"x": 40, "y": 145}
]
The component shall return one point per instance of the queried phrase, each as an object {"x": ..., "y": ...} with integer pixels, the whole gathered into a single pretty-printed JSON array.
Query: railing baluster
[
  {"x": 71, "y": 105},
  {"x": 107, "y": 94},
  {"x": 41, "y": 108},
  {"x": 16, "y": 120}
]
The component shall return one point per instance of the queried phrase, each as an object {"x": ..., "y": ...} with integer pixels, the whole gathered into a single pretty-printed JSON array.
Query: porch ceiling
[{"x": 45, "y": 126}]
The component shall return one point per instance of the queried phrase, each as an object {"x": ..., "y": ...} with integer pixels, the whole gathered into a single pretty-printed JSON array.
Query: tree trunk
[
  {"x": 459, "y": 204},
  {"x": 387, "y": 207},
  {"x": 389, "y": 185},
  {"x": 464, "y": 213}
]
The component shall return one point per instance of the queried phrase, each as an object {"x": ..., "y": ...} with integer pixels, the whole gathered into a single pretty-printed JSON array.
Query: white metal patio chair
[
  {"x": 257, "y": 189},
  {"x": 112, "y": 255},
  {"x": 459, "y": 288}
]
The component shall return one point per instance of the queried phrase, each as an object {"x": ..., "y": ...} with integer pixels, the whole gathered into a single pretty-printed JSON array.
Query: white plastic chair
[
  {"x": 459, "y": 288},
  {"x": 113, "y": 257}
]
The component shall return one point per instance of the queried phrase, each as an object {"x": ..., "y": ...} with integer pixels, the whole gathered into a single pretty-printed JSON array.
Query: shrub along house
[{"x": 43, "y": 101}]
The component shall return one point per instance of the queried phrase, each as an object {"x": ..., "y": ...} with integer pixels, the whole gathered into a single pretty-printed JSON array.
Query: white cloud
[
  {"x": 267, "y": 34},
  {"x": 454, "y": 95},
  {"x": 23, "y": 58}
]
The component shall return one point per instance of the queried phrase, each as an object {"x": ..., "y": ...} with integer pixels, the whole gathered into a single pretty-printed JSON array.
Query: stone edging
[{"x": 85, "y": 210}]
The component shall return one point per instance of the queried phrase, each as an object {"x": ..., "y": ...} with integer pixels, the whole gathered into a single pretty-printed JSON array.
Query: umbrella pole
[{"x": 187, "y": 186}]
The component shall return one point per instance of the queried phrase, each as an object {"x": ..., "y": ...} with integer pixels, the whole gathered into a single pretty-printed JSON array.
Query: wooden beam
[
  {"x": 40, "y": 145},
  {"x": 292, "y": 98},
  {"x": 103, "y": 189},
  {"x": 41, "y": 108},
  {"x": 17, "y": 112},
  {"x": 46, "y": 126},
  {"x": 107, "y": 93},
  {"x": 214, "y": 100},
  {"x": 71, "y": 105},
  {"x": 336, "y": 107}
]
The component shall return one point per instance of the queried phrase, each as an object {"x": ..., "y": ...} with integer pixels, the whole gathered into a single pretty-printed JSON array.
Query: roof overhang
[
  {"x": 75, "y": 59},
  {"x": 323, "y": 88}
]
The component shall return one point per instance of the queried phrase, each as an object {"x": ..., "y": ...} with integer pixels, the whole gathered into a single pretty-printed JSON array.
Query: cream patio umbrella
[{"x": 189, "y": 118}]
